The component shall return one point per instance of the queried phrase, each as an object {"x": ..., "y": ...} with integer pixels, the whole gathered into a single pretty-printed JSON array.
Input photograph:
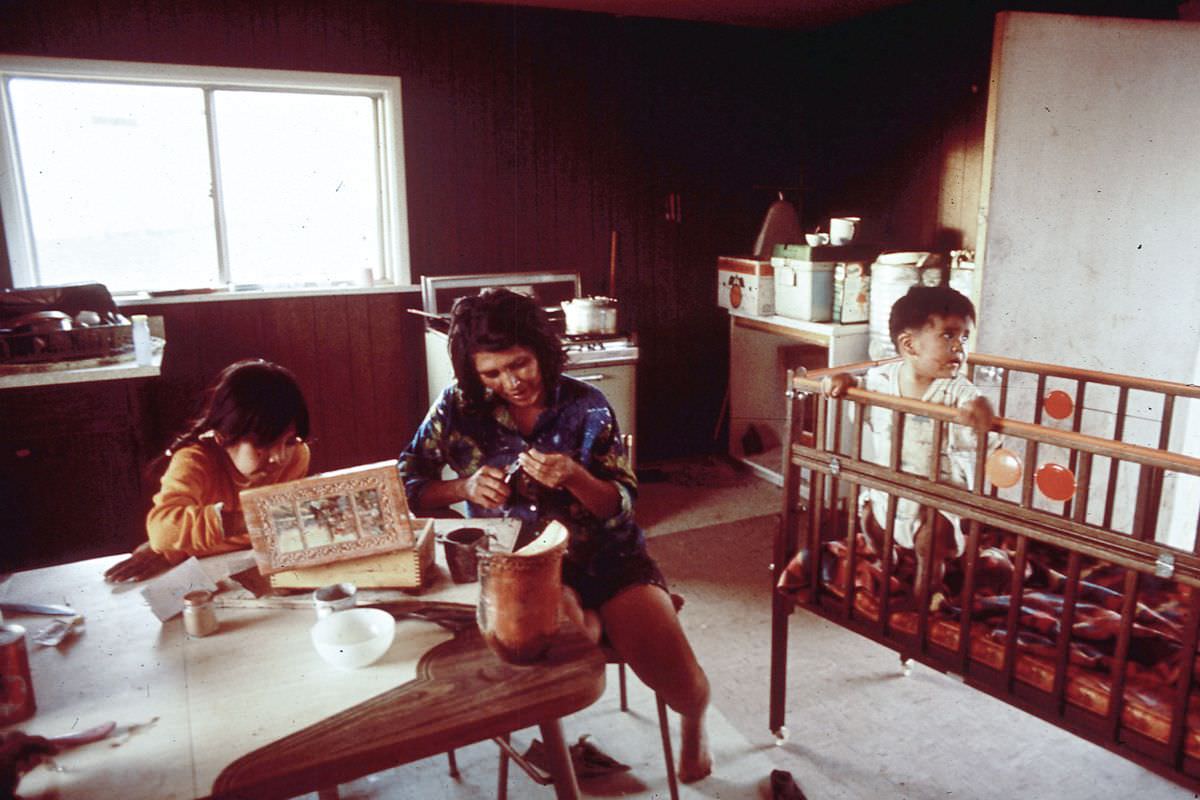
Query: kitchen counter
[
  {"x": 87, "y": 370},
  {"x": 84, "y": 371}
]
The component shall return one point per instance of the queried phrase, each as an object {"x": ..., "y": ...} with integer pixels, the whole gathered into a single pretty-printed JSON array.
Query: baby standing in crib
[
  {"x": 250, "y": 432},
  {"x": 930, "y": 326}
]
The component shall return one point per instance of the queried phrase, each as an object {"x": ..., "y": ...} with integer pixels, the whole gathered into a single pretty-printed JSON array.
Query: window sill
[{"x": 225, "y": 295}]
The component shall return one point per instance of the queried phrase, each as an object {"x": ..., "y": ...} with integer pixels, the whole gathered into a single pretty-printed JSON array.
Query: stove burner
[{"x": 575, "y": 342}]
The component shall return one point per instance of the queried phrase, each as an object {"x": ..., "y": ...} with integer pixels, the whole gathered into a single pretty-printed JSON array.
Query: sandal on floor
[{"x": 588, "y": 760}]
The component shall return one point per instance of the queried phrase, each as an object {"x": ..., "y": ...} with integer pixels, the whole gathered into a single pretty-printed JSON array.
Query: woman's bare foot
[{"x": 695, "y": 760}]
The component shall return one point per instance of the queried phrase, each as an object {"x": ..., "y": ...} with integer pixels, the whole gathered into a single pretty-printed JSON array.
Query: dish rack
[{"x": 96, "y": 341}]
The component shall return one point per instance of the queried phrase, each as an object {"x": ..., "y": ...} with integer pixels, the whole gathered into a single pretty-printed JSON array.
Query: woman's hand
[
  {"x": 486, "y": 488},
  {"x": 555, "y": 470},
  {"x": 142, "y": 563}
]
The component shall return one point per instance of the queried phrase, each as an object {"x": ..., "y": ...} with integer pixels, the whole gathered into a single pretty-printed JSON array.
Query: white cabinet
[{"x": 761, "y": 350}]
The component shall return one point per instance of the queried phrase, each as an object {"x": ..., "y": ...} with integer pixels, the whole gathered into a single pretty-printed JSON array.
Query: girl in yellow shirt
[{"x": 251, "y": 432}]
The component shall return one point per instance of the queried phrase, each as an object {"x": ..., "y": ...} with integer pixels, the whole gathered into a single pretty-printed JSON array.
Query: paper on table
[{"x": 165, "y": 593}]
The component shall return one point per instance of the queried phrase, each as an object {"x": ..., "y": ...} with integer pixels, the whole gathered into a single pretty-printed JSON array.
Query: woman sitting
[{"x": 528, "y": 442}]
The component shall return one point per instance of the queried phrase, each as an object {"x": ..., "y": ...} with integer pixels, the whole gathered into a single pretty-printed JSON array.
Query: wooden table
[{"x": 252, "y": 710}]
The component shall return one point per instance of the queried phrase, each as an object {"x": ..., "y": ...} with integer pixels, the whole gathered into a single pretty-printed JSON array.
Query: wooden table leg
[{"x": 565, "y": 786}]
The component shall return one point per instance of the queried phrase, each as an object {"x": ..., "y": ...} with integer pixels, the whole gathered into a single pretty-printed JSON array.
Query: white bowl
[{"x": 354, "y": 638}]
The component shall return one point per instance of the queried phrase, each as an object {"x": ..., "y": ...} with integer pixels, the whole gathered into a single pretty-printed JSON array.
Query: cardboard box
[
  {"x": 410, "y": 568},
  {"x": 746, "y": 284},
  {"x": 851, "y": 292},
  {"x": 803, "y": 289}
]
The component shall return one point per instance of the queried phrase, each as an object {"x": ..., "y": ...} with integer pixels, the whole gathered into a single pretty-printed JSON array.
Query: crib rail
[{"x": 825, "y": 469}]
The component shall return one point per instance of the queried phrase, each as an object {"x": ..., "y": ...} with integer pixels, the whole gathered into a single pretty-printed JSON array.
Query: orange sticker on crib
[
  {"x": 1058, "y": 404},
  {"x": 1003, "y": 468},
  {"x": 1056, "y": 481}
]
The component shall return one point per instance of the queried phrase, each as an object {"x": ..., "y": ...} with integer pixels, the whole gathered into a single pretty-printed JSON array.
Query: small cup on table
[
  {"x": 334, "y": 597},
  {"x": 462, "y": 548}
]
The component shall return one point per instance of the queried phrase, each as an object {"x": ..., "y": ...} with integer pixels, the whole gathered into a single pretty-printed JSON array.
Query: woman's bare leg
[
  {"x": 588, "y": 621},
  {"x": 643, "y": 627}
]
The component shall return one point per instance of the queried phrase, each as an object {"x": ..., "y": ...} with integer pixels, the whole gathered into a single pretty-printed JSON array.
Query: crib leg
[{"x": 905, "y": 666}]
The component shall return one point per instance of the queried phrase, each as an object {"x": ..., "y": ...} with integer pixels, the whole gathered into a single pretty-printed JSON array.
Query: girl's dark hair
[
  {"x": 913, "y": 310},
  {"x": 498, "y": 319},
  {"x": 253, "y": 399}
]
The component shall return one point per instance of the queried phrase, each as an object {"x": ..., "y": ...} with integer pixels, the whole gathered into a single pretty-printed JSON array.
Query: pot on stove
[{"x": 590, "y": 315}]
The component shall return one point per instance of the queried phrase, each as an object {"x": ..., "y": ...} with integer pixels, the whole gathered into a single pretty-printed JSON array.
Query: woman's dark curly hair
[{"x": 495, "y": 320}]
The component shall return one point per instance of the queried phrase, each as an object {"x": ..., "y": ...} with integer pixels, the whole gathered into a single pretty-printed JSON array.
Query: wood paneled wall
[
  {"x": 531, "y": 135},
  {"x": 353, "y": 356}
]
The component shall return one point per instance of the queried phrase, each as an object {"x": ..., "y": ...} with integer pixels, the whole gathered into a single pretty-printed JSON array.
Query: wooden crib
[{"x": 1073, "y": 609}]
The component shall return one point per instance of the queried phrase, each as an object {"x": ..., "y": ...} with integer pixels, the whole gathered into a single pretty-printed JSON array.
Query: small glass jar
[{"x": 199, "y": 616}]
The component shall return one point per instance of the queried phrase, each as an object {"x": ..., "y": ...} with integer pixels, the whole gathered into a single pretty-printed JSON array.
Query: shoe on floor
[
  {"x": 783, "y": 786},
  {"x": 588, "y": 760}
]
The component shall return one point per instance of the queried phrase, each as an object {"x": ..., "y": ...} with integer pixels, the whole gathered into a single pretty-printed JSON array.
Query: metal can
[
  {"x": 199, "y": 616},
  {"x": 16, "y": 684}
]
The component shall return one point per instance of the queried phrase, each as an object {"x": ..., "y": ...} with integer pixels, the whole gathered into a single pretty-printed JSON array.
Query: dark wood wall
[{"x": 531, "y": 136}]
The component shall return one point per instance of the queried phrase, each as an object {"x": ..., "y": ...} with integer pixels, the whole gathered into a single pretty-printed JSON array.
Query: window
[{"x": 157, "y": 177}]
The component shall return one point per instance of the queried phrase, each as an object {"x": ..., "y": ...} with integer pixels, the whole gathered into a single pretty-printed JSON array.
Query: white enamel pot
[{"x": 589, "y": 316}]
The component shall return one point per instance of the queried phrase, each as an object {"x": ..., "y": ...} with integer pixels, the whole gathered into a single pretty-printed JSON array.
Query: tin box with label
[
  {"x": 746, "y": 284},
  {"x": 803, "y": 289}
]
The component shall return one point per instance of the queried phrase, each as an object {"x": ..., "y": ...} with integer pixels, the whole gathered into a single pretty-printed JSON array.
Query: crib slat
[
  {"x": 922, "y": 591},
  {"x": 1143, "y": 529},
  {"x": 851, "y": 515},
  {"x": 1114, "y": 465},
  {"x": 1183, "y": 685},
  {"x": 1039, "y": 398},
  {"x": 1003, "y": 390},
  {"x": 1062, "y": 655},
  {"x": 835, "y": 406},
  {"x": 1168, "y": 414},
  {"x": 1016, "y": 598},
  {"x": 1177, "y": 742},
  {"x": 967, "y": 597},
  {"x": 1031, "y": 448},
  {"x": 816, "y": 510},
  {"x": 885, "y": 593},
  {"x": 1116, "y": 699},
  {"x": 784, "y": 549},
  {"x": 1076, "y": 424},
  {"x": 889, "y": 530}
]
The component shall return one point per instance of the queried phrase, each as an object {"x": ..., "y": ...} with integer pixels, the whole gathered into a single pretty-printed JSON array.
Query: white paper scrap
[{"x": 165, "y": 593}]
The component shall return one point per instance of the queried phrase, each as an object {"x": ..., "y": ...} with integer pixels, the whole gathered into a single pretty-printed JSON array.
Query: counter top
[
  {"x": 821, "y": 330},
  {"x": 87, "y": 370}
]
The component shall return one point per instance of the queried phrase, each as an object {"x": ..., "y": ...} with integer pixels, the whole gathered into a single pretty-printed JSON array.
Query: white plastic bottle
[{"x": 141, "y": 340}]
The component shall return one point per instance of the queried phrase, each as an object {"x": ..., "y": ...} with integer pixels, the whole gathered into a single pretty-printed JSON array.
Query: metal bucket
[
  {"x": 889, "y": 282},
  {"x": 520, "y": 598}
]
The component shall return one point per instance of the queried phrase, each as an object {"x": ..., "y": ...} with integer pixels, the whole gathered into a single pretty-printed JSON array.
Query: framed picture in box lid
[{"x": 327, "y": 518}]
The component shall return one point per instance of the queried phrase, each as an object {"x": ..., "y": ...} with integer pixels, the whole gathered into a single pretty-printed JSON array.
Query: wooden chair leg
[
  {"x": 453, "y": 763},
  {"x": 672, "y": 781},
  {"x": 502, "y": 776},
  {"x": 621, "y": 680}
]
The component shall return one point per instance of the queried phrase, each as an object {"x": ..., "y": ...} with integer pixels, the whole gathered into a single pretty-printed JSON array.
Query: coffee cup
[
  {"x": 334, "y": 597},
  {"x": 816, "y": 239},
  {"x": 842, "y": 230}
]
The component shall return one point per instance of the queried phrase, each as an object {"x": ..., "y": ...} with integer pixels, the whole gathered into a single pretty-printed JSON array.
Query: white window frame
[{"x": 385, "y": 90}]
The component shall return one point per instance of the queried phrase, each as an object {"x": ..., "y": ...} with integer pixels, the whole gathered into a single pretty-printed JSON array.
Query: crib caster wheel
[
  {"x": 781, "y": 735},
  {"x": 905, "y": 666}
]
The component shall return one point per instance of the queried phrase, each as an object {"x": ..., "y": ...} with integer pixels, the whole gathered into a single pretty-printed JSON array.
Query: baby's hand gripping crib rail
[{"x": 1070, "y": 608}]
